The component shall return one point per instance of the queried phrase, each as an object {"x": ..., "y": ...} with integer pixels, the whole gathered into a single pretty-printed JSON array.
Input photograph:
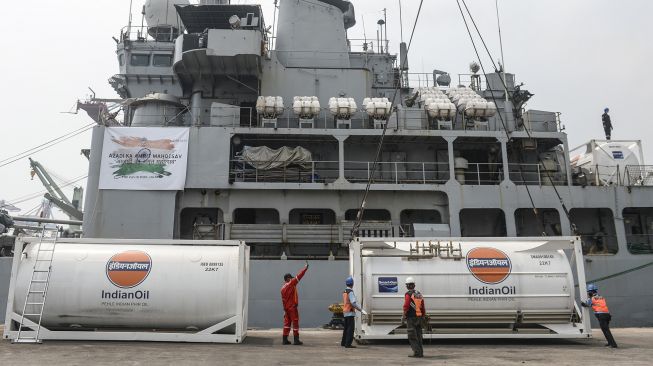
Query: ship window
[
  {"x": 547, "y": 221},
  {"x": 200, "y": 224},
  {"x": 482, "y": 222},
  {"x": 121, "y": 59},
  {"x": 409, "y": 217},
  {"x": 162, "y": 60},
  {"x": 312, "y": 216},
  {"x": 596, "y": 229},
  {"x": 140, "y": 59},
  {"x": 368, "y": 215},
  {"x": 257, "y": 216},
  {"x": 638, "y": 224}
]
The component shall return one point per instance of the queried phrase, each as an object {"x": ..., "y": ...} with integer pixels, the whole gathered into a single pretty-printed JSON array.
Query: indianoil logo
[
  {"x": 129, "y": 269},
  {"x": 489, "y": 265}
]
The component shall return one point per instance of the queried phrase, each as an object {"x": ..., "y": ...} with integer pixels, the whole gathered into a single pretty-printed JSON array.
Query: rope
[
  {"x": 45, "y": 145},
  {"x": 34, "y": 195},
  {"x": 562, "y": 203},
  {"x": 634, "y": 269},
  {"x": 370, "y": 179}
]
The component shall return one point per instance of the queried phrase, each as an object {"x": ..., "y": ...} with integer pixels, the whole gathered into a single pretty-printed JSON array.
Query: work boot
[
  {"x": 285, "y": 340},
  {"x": 297, "y": 341}
]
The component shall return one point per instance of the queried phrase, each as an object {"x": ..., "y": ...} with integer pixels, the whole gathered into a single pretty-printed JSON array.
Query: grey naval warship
[{"x": 283, "y": 125}]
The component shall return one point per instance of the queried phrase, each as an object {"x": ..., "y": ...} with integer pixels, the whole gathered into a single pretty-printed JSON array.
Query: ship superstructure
[{"x": 283, "y": 133}]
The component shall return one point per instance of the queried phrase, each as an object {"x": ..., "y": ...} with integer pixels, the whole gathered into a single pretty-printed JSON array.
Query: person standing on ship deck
[
  {"x": 607, "y": 124},
  {"x": 290, "y": 302}
]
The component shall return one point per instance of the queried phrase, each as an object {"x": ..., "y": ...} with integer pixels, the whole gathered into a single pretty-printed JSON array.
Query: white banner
[{"x": 144, "y": 158}]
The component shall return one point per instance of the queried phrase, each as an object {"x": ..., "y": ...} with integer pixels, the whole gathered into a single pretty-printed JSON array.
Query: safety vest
[
  {"x": 417, "y": 302},
  {"x": 599, "y": 305},
  {"x": 347, "y": 307}
]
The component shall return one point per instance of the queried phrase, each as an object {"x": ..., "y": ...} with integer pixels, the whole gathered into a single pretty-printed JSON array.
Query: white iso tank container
[
  {"x": 524, "y": 285},
  {"x": 607, "y": 162},
  {"x": 136, "y": 286}
]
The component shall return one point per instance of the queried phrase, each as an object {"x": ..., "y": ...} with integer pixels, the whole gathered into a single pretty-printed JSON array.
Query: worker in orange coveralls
[{"x": 290, "y": 303}]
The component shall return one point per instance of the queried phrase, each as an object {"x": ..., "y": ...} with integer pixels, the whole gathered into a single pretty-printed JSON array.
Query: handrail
[
  {"x": 475, "y": 175},
  {"x": 355, "y": 171},
  {"x": 522, "y": 173},
  {"x": 638, "y": 175}
]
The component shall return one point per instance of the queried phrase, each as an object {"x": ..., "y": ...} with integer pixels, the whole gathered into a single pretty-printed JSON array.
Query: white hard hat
[{"x": 410, "y": 280}]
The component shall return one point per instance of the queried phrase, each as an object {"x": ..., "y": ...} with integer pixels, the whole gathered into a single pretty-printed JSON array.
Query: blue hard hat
[
  {"x": 592, "y": 288},
  {"x": 606, "y": 109},
  {"x": 349, "y": 281}
]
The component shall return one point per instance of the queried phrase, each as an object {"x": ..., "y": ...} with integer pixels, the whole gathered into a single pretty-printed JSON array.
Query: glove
[
  {"x": 363, "y": 312},
  {"x": 306, "y": 264}
]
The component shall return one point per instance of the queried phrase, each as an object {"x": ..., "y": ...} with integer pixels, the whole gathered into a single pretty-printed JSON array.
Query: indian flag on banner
[{"x": 144, "y": 158}]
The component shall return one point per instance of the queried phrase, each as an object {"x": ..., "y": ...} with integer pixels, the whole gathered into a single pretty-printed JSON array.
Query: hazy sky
[{"x": 576, "y": 56}]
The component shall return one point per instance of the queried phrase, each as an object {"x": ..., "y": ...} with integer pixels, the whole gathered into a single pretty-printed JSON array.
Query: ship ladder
[{"x": 37, "y": 291}]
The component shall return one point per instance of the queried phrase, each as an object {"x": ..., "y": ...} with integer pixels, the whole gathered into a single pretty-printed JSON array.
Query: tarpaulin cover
[{"x": 265, "y": 158}]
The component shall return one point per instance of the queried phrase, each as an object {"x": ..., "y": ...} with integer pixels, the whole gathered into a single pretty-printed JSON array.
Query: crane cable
[
  {"x": 528, "y": 133},
  {"x": 530, "y": 196},
  {"x": 45, "y": 145},
  {"x": 535, "y": 210},
  {"x": 34, "y": 195},
  {"x": 370, "y": 178}
]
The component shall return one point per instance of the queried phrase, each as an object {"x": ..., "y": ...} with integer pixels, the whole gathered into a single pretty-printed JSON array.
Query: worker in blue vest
[{"x": 601, "y": 311}]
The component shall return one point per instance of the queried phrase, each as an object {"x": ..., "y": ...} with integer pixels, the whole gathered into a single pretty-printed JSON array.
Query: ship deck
[{"x": 263, "y": 347}]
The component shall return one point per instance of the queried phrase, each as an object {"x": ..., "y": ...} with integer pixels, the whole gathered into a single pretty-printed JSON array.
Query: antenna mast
[
  {"x": 503, "y": 60},
  {"x": 129, "y": 24},
  {"x": 401, "y": 22}
]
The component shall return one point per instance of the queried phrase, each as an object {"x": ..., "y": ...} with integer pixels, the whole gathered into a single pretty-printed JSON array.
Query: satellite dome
[{"x": 161, "y": 18}]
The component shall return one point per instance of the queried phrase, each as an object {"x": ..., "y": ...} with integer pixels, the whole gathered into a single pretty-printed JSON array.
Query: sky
[{"x": 576, "y": 56}]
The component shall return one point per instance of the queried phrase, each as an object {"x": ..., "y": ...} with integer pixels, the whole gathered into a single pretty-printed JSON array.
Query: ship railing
[
  {"x": 478, "y": 174},
  {"x": 604, "y": 175},
  {"x": 307, "y": 172},
  {"x": 640, "y": 243},
  {"x": 141, "y": 34},
  {"x": 309, "y": 234},
  {"x": 423, "y": 80},
  {"x": 247, "y": 118},
  {"x": 638, "y": 175},
  {"x": 535, "y": 174},
  {"x": 328, "y": 172},
  {"x": 397, "y": 172},
  {"x": 359, "y": 45},
  {"x": 466, "y": 80},
  {"x": 552, "y": 125}
]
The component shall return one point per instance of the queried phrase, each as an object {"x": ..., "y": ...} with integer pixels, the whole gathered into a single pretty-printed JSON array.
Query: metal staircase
[{"x": 37, "y": 291}]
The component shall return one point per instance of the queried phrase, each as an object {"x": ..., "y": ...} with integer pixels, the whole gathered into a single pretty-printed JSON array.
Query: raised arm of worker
[{"x": 300, "y": 275}]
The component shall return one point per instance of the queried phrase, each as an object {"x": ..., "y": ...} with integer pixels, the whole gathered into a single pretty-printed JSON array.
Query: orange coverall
[{"x": 290, "y": 303}]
